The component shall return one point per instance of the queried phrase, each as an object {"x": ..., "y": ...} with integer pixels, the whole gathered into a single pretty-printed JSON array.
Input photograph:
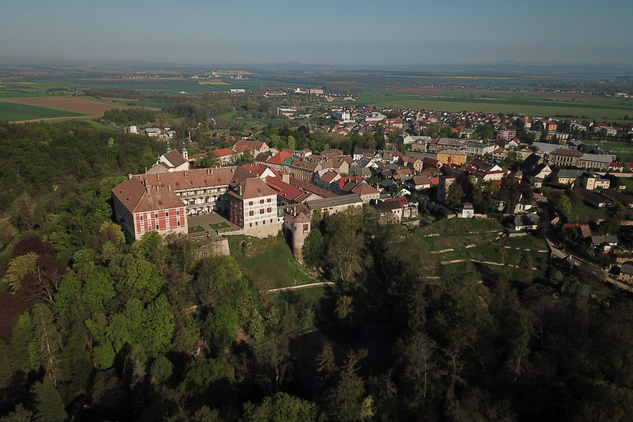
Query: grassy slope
[{"x": 268, "y": 259}]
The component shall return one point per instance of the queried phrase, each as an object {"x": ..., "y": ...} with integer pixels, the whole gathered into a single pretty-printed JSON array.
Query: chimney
[
  {"x": 129, "y": 176},
  {"x": 185, "y": 173},
  {"x": 158, "y": 177},
  {"x": 169, "y": 188},
  {"x": 148, "y": 190}
]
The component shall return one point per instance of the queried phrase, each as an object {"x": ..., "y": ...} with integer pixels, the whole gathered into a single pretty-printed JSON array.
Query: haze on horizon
[{"x": 353, "y": 33}]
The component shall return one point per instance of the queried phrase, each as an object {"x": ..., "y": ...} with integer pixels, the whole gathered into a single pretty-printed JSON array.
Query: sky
[{"x": 342, "y": 32}]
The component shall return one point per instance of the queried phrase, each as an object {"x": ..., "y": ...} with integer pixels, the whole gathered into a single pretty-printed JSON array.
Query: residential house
[
  {"x": 626, "y": 272},
  {"x": 467, "y": 210},
  {"x": 524, "y": 222}
]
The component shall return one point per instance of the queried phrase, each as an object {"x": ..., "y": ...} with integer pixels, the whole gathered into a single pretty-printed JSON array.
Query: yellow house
[{"x": 451, "y": 157}]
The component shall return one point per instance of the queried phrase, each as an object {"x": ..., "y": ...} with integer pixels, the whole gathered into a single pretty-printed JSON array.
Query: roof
[
  {"x": 252, "y": 188},
  {"x": 253, "y": 145},
  {"x": 283, "y": 189},
  {"x": 311, "y": 188},
  {"x": 174, "y": 158},
  {"x": 350, "y": 199},
  {"x": 225, "y": 152},
  {"x": 365, "y": 189},
  {"x": 280, "y": 157},
  {"x": 258, "y": 169},
  {"x": 567, "y": 152},
  {"x": 138, "y": 197},
  {"x": 627, "y": 268}
]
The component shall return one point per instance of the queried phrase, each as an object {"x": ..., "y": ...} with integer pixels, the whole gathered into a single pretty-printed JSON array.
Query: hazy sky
[{"x": 343, "y": 32}]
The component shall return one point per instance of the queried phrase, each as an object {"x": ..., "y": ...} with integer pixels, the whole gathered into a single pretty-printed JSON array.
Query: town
[{"x": 502, "y": 173}]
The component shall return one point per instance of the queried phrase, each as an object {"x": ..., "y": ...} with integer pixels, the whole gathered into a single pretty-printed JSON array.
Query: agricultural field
[
  {"x": 491, "y": 101},
  {"x": 51, "y": 107},
  {"x": 17, "y": 112}
]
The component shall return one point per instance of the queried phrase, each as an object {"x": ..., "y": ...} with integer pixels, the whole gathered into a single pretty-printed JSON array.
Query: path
[{"x": 301, "y": 286}]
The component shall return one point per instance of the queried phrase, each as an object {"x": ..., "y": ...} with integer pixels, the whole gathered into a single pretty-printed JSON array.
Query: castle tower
[{"x": 184, "y": 153}]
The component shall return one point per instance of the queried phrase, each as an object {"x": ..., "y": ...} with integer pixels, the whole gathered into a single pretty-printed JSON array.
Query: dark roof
[
  {"x": 350, "y": 199},
  {"x": 627, "y": 268}
]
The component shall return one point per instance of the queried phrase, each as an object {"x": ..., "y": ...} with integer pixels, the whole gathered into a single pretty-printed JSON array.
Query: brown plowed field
[{"x": 77, "y": 104}]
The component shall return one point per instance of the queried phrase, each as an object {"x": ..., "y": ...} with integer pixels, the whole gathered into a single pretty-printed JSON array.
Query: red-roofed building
[
  {"x": 141, "y": 207},
  {"x": 276, "y": 162},
  {"x": 226, "y": 155},
  {"x": 256, "y": 147}
]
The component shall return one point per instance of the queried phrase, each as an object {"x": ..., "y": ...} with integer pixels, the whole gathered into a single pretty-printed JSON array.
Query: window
[
  {"x": 256, "y": 224},
  {"x": 264, "y": 222},
  {"x": 179, "y": 224},
  {"x": 251, "y": 213},
  {"x": 166, "y": 213},
  {"x": 250, "y": 224},
  {"x": 268, "y": 200},
  {"x": 177, "y": 212},
  {"x": 157, "y": 228},
  {"x": 261, "y": 211},
  {"x": 261, "y": 202},
  {"x": 271, "y": 220},
  {"x": 141, "y": 218},
  {"x": 269, "y": 210},
  {"x": 250, "y": 203}
]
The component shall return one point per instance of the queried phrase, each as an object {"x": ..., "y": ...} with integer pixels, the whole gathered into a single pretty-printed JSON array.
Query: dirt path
[{"x": 299, "y": 287}]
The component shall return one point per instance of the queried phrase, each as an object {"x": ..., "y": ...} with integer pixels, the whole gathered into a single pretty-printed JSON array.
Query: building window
[
  {"x": 271, "y": 220},
  {"x": 141, "y": 218},
  {"x": 256, "y": 224},
  {"x": 156, "y": 215},
  {"x": 268, "y": 200},
  {"x": 177, "y": 212},
  {"x": 261, "y": 211},
  {"x": 264, "y": 222},
  {"x": 250, "y": 224},
  {"x": 269, "y": 210},
  {"x": 250, "y": 203},
  {"x": 251, "y": 213},
  {"x": 179, "y": 224},
  {"x": 157, "y": 228},
  {"x": 261, "y": 202},
  {"x": 166, "y": 213}
]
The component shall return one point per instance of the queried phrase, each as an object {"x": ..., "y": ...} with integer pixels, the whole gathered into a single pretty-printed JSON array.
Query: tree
[
  {"x": 18, "y": 268},
  {"x": 282, "y": 407},
  {"x": 564, "y": 205},
  {"x": 48, "y": 403},
  {"x": 419, "y": 354},
  {"x": 326, "y": 365},
  {"x": 208, "y": 381},
  {"x": 48, "y": 341},
  {"x": 220, "y": 326},
  {"x": 455, "y": 195},
  {"x": 19, "y": 415}
]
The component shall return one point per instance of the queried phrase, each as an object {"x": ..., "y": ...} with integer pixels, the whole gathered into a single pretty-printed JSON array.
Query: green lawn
[
  {"x": 586, "y": 213},
  {"x": 218, "y": 226},
  {"x": 526, "y": 242},
  {"x": 460, "y": 226},
  {"x": 17, "y": 112},
  {"x": 268, "y": 259},
  {"x": 196, "y": 229}
]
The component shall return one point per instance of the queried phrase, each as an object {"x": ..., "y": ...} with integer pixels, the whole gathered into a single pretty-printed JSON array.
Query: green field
[
  {"x": 502, "y": 103},
  {"x": 17, "y": 112},
  {"x": 18, "y": 94},
  {"x": 218, "y": 226}
]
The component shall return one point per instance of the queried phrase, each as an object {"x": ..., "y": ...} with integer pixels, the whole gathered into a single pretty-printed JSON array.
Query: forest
[{"x": 94, "y": 329}]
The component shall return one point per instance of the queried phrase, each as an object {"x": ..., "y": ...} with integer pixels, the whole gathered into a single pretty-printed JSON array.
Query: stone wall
[{"x": 219, "y": 247}]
